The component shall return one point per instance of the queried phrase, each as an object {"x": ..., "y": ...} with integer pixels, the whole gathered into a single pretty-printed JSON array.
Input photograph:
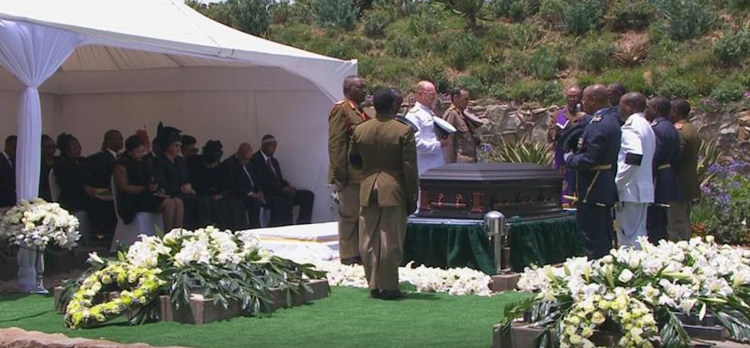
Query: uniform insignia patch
[{"x": 596, "y": 118}]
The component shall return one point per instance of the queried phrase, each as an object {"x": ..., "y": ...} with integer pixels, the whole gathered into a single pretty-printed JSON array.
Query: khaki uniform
[
  {"x": 342, "y": 120},
  {"x": 388, "y": 154},
  {"x": 463, "y": 146},
  {"x": 679, "y": 227}
]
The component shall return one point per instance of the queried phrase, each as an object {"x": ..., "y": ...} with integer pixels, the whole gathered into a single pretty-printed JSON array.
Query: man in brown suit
[
  {"x": 344, "y": 117},
  {"x": 679, "y": 227},
  {"x": 386, "y": 151},
  {"x": 463, "y": 145}
]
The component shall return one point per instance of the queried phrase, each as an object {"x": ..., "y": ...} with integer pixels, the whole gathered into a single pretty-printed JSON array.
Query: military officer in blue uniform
[
  {"x": 666, "y": 187},
  {"x": 595, "y": 165}
]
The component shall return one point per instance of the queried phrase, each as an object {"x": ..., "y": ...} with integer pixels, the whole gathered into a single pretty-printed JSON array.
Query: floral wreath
[
  {"x": 140, "y": 287},
  {"x": 637, "y": 321}
]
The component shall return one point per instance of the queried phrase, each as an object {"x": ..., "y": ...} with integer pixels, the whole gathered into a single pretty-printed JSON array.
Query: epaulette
[
  {"x": 654, "y": 123},
  {"x": 596, "y": 118},
  {"x": 341, "y": 102}
]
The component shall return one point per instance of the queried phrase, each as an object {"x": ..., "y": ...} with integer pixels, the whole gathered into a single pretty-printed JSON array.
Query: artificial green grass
[{"x": 347, "y": 318}]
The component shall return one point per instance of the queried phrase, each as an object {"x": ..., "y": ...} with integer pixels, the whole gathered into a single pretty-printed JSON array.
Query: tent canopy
[{"x": 144, "y": 61}]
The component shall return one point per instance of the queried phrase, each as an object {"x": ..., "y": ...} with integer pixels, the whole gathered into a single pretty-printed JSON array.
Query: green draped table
[{"x": 463, "y": 243}]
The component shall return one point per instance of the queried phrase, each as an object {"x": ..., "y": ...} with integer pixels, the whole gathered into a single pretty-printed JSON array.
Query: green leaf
[
  {"x": 673, "y": 334},
  {"x": 737, "y": 324}
]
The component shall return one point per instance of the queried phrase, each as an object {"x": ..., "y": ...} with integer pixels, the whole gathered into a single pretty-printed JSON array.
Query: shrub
[
  {"x": 470, "y": 10},
  {"x": 725, "y": 207},
  {"x": 733, "y": 48},
  {"x": 365, "y": 66},
  {"x": 525, "y": 35},
  {"x": 632, "y": 79},
  {"x": 336, "y": 13},
  {"x": 281, "y": 12},
  {"x": 462, "y": 50},
  {"x": 514, "y": 10},
  {"x": 250, "y": 16},
  {"x": 490, "y": 74},
  {"x": 427, "y": 19},
  {"x": 677, "y": 88},
  {"x": 476, "y": 87},
  {"x": 544, "y": 64},
  {"x": 432, "y": 69},
  {"x": 596, "y": 55},
  {"x": 524, "y": 151},
  {"x": 400, "y": 46},
  {"x": 685, "y": 19},
  {"x": 551, "y": 12},
  {"x": 546, "y": 92},
  {"x": 704, "y": 80},
  {"x": 375, "y": 22},
  {"x": 728, "y": 91},
  {"x": 630, "y": 15},
  {"x": 580, "y": 16}
]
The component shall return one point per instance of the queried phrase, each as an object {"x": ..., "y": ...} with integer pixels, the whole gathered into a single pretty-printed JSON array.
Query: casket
[{"x": 470, "y": 190}]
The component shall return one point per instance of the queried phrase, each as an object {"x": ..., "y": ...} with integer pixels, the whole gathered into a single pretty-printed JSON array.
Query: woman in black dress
[
  {"x": 75, "y": 193},
  {"x": 207, "y": 180},
  {"x": 48, "y": 162},
  {"x": 171, "y": 174},
  {"x": 137, "y": 190}
]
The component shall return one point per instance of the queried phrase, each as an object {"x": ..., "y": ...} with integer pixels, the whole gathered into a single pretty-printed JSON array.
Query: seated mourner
[
  {"x": 280, "y": 195},
  {"x": 137, "y": 189},
  {"x": 240, "y": 181},
  {"x": 207, "y": 179}
]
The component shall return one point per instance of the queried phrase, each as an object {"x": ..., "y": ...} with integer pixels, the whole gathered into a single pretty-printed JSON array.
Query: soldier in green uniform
[
  {"x": 387, "y": 153},
  {"x": 679, "y": 227},
  {"x": 463, "y": 145},
  {"x": 344, "y": 117}
]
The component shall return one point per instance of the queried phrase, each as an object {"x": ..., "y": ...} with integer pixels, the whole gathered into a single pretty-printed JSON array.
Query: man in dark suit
[
  {"x": 99, "y": 167},
  {"x": 595, "y": 165},
  {"x": 8, "y": 173},
  {"x": 101, "y": 164},
  {"x": 240, "y": 182},
  {"x": 666, "y": 187},
  {"x": 280, "y": 195}
]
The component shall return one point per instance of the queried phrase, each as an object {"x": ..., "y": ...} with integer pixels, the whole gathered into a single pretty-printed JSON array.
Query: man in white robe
[{"x": 429, "y": 145}]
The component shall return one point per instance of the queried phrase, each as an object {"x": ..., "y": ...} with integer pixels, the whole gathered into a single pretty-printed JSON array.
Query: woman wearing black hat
[
  {"x": 137, "y": 190},
  {"x": 205, "y": 176}
]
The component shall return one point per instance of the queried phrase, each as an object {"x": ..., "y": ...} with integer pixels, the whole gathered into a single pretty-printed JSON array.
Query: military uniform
[
  {"x": 386, "y": 150},
  {"x": 595, "y": 166},
  {"x": 666, "y": 189},
  {"x": 344, "y": 117},
  {"x": 463, "y": 146},
  {"x": 679, "y": 227}
]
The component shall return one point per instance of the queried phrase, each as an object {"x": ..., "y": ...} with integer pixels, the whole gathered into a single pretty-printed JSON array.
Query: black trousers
[
  {"x": 595, "y": 224},
  {"x": 656, "y": 223},
  {"x": 252, "y": 206},
  {"x": 281, "y": 208}
]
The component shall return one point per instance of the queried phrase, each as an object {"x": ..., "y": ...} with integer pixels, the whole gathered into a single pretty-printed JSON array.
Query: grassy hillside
[{"x": 521, "y": 50}]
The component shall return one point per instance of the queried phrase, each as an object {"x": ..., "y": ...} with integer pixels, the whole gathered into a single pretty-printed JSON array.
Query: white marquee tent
[{"x": 128, "y": 64}]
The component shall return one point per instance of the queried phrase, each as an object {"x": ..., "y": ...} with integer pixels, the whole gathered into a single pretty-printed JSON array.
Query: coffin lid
[{"x": 481, "y": 172}]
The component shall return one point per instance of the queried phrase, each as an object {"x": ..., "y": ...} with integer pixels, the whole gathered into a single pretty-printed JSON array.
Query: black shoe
[
  {"x": 352, "y": 261},
  {"x": 390, "y": 295},
  {"x": 374, "y": 293}
]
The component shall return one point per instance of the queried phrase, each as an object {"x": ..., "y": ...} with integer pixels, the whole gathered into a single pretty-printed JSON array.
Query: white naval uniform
[
  {"x": 635, "y": 185},
  {"x": 429, "y": 152}
]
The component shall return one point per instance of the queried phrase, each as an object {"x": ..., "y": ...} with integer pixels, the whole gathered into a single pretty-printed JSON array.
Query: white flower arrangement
[
  {"x": 454, "y": 281},
  {"x": 631, "y": 286},
  {"x": 37, "y": 223}
]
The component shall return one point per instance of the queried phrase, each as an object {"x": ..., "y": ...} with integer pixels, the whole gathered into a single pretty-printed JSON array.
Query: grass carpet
[{"x": 347, "y": 318}]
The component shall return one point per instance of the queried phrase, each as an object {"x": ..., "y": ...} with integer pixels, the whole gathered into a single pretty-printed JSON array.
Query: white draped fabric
[{"x": 32, "y": 53}]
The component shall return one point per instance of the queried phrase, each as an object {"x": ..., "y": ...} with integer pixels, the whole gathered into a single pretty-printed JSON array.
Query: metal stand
[{"x": 497, "y": 231}]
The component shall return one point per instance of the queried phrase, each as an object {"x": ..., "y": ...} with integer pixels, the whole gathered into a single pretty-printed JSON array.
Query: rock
[
  {"x": 743, "y": 118},
  {"x": 17, "y": 338}
]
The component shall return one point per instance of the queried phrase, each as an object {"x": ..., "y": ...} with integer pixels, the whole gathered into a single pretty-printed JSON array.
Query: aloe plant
[
  {"x": 524, "y": 151},
  {"x": 708, "y": 154}
]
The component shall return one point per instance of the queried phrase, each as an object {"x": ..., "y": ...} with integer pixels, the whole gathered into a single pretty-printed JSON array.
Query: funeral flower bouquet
[
  {"x": 37, "y": 223},
  {"x": 629, "y": 291},
  {"x": 454, "y": 281},
  {"x": 224, "y": 266}
]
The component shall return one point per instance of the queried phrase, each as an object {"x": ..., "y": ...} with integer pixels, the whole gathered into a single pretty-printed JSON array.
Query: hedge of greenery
[{"x": 521, "y": 50}]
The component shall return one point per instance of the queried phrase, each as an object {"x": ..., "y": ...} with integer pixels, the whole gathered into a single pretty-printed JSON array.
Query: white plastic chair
[
  {"x": 143, "y": 223},
  {"x": 84, "y": 225},
  {"x": 265, "y": 217}
]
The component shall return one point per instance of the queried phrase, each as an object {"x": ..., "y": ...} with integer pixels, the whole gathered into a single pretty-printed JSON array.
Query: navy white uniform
[
  {"x": 666, "y": 187},
  {"x": 595, "y": 166},
  {"x": 635, "y": 185}
]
